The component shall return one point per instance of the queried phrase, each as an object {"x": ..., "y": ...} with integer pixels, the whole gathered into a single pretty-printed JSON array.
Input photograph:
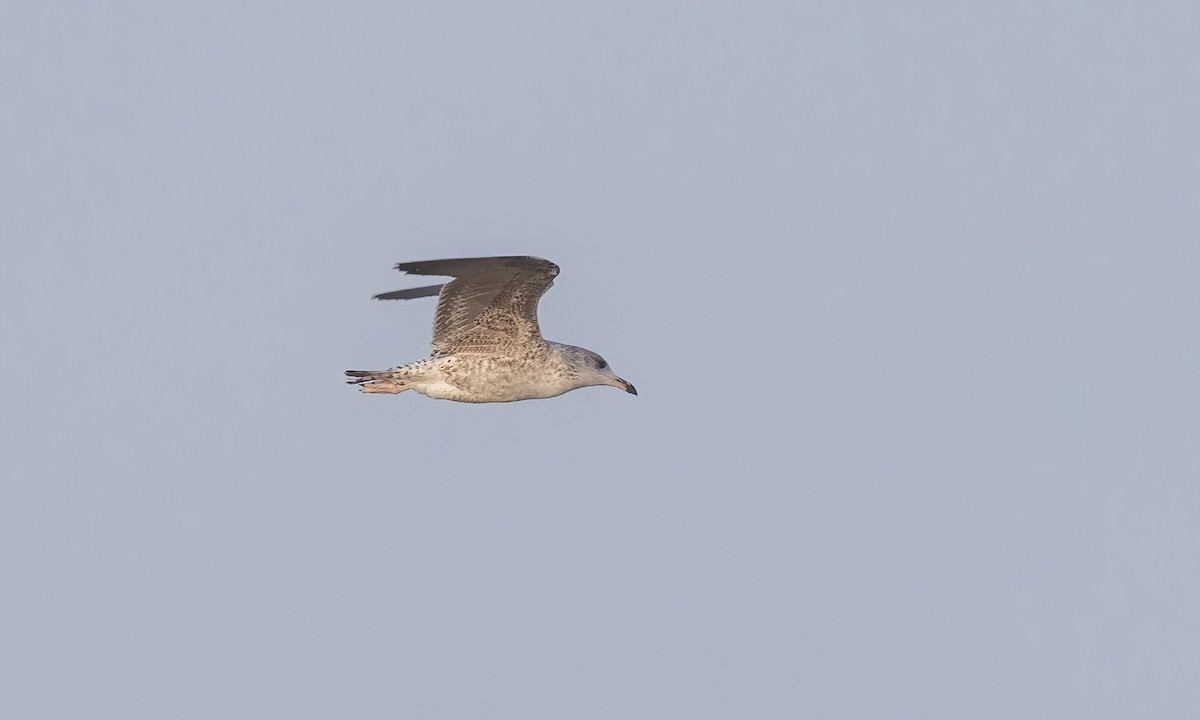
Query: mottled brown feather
[{"x": 490, "y": 307}]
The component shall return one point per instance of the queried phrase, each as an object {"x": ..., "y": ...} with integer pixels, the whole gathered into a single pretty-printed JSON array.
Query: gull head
[{"x": 588, "y": 368}]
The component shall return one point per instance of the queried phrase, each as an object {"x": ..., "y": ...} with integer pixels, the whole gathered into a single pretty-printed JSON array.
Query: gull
[{"x": 487, "y": 346}]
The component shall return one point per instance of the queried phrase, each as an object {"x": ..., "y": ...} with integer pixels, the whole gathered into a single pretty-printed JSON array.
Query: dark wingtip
[
  {"x": 456, "y": 266},
  {"x": 410, "y": 293}
]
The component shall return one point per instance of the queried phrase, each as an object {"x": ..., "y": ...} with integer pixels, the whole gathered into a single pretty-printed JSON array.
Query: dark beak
[{"x": 629, "y": 388}]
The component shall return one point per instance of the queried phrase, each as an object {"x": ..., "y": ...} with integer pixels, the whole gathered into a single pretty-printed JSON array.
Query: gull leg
[{"x": 390, "y": 387}]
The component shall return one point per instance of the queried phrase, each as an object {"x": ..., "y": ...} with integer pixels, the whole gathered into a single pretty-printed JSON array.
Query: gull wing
[{"x": 489, "y": 307}]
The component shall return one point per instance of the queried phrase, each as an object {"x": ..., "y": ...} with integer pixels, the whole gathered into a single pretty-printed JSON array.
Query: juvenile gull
[{"x": 487, "y": 346}]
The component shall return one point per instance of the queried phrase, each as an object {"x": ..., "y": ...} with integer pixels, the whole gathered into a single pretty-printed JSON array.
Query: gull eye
[{"x": 601, "y": 364}]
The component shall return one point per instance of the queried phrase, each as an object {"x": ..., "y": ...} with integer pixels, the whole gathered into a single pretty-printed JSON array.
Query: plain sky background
[{"x": 909, "y": 291}]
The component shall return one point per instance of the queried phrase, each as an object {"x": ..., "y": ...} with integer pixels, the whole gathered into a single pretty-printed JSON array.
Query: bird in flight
[{"x": 487, "y": 346}]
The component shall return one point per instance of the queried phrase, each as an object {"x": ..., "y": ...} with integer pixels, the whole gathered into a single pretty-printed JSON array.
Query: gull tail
[
  {"x": 376, "y": 381},
  {"x": 363, "y": 376}
]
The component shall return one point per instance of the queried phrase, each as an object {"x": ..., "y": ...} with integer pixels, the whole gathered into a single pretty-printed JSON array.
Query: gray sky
[{"x": 909, "y": 291}]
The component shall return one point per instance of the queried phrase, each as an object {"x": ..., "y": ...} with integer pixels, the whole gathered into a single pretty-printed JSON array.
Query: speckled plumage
[{"x": 487, "y": 345}]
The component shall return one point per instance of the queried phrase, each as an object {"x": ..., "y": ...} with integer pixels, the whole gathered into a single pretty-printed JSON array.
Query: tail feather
[
  {"x": 376, "y": 381},
  {"x": 365, "y": 376}
]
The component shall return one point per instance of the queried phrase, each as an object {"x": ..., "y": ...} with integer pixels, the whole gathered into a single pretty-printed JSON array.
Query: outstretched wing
[{"x": 489, "y": 307}]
